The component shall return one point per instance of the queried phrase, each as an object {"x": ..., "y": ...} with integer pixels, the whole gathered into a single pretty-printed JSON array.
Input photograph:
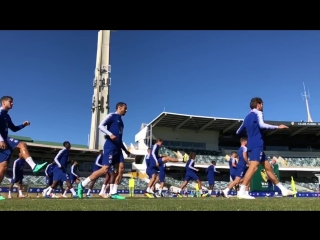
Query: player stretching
[
  {"x": 7, "y": 145},
  {"x": 255, "y": 126},
  {"x": 155, "y": 162},
  {"x": 191, "y": 174},
  {"x": 113, "y": 127},
  {"x": 17, "y": 176},
  {"x": 211, "y": 171},
  {"x": 60, "y": 170},
  {"x": 241, "y": 168}
]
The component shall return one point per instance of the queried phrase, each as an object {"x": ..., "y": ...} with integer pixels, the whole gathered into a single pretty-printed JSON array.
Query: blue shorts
[
  {"x": 17, "y": 179},
  {"x": 148, "y": 172},
  {"x": 49, "y": 180},
  {"x": 73, "y": 178},
  {"x": 210, "y": 180},
  {"x": 257, "y": 154},
  {"x": 112, "y": 156},
  {"x": 162, "y": 176},
  {"x": 11, "y": 145},
  {"x": 191, "y": 176},
  {"x": 233, "y": 177},
  {"x": 60, "y": 175},
  {"x": 241, "y": 171}
]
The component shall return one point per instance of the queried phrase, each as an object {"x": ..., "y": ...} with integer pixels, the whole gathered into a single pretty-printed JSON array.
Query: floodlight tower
[
  {"x": 305, "y": 97},
  {"x": 101, "y": 85}
]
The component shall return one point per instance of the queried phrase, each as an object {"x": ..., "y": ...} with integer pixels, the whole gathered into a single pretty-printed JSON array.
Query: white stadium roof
[{"x": 227, "y": 125}]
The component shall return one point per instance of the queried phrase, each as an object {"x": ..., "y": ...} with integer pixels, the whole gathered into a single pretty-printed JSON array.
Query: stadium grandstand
[{"x": 296, "y": 150}]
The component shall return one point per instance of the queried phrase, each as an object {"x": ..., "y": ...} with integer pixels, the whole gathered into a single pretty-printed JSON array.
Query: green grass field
[{"x": 162, "y": 204}]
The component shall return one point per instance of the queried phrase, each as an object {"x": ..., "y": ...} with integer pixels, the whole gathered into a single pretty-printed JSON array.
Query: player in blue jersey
[
  {"x": 242, "y": 168},
  {"x": 7, "y": 144},
  {"x": 233, "y": 165},
  {"x": 60, "y": 170},
  {"x": 211, "y": 171},
  {"x": 148, "y": 170},
  {"x": 74, "y": 173},
  {"x": 255, "y": 126},
  {"x": 113, "y": 127},
  {"x": 17, "y": 176},
  {"x": 191, "y": 174},
  {"x": 49, "y": 177},
  {"x": 110, "y": 178},
  {"x": 155, "y": 162}
]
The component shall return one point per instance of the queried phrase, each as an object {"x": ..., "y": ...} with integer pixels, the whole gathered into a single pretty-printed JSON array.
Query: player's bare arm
[
  {"x": 282, "y": 126},
  {"x": 3, "y": 145}
]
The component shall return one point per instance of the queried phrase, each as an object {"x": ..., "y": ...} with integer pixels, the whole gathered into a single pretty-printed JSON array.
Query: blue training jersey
[
  {"x": 5, "y": 124},
  {"x": 98, "y": 161},
  {"x": 241, "y": 161},
  {"x": 232, "y": 168},
  {"x": 154, "y": 155},
  {"x": 190, "y": 166},
  {"x": 18, "y": 166},
  {"x": 148, "y": 160},
  {"x": 74, "y": 170},
  {"x": 113, "y": 125},
  {"x": 62, "y": 159},
  {"x": 211, "y": 170},
  {"x": 49, "y": 170},
  {"x": 255, "y": 126}
]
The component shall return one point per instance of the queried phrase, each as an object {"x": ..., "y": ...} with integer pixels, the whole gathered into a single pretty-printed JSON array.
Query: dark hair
[
  {"x": 120, "y": 104},
  {"x": 5, "y": 98},
  {"x": 213, "y": 162},
  {"x": 243, "y": 139},
  {"x": 100, "y": 151},
  {"x": 192, "y": 155},
  {"x": 255, "y": 101},
  {"x": 233, "y": 152},
  {"x": 159, "y": 140},
  {"x": 65, "y": 143}
]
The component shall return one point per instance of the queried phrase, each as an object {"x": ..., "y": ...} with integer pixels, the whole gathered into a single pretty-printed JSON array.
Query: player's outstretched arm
[
  {"x": 261, "y": 122},
  {"x": 15, "y": 128}
]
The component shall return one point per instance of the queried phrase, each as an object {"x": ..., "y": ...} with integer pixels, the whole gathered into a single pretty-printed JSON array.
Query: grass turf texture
[{"x": 162, "y": 204}]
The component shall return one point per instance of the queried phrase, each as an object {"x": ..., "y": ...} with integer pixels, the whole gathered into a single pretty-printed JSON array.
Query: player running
[
  {"x": 255, "y": 126},
  {"x": 60, "y": 170},
  {"x": 7, "y": 145},
  {"x": 211, "y": 171},
  {"x": 241, "y": 168},
  {"x": 113, "y": 127},
  {"x": 191, "y": 174}
]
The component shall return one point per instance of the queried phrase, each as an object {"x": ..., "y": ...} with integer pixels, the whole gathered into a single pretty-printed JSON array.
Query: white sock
[
  {"x": 179, "y": 190},
  {"x": 49, "y": 191},
  {"x": 148, "y": 189},
  {"x": 20, "y": 193},
  {"x": 111, "y": 188},
  {"x": 73, "y": 192},
  {"x": 242, "y": 189},
  {"x": 86, "y": 182},
  {"x": 9, "y": 194},
  {"x": 65, "y": 192},
  {"x": 88, "y": 193},
  {"x": 160, "y": 190},
  {"x": 200, "y": 191},
  {"x": 46, "y": 189},
  {"x": 31, "y": 163},
  {"x": 227, "y": 189},
  {"x": 103, "y": 188},
  {"x": 115, "y": 189},
  {"x": 210, "y": 191},
  {"x": 247, "y": 192},
  {"x": 280, "y": 186}
]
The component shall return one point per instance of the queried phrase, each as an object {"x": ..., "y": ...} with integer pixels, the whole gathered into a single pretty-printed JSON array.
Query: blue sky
[{"x": 209, "y": 73}]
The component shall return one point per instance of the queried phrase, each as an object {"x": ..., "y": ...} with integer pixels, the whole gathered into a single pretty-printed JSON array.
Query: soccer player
[
  {"x": 49, "y": 176},
  {"x": 233, "y": 165},
  {"x": 211, "y": 171},
  {"x": 60, "y": 170},
  {"x": 162, "y": 178},
  {"x": 113, "y": 127},
  {"x": 255, "y": 126},
  {"x": 148, "y": 170},
  {"x": 191, "y": 174},
  {"x": 74, "y": 176},
  {"x": 7, "y": 145},
  {"x": 110, "y": 178},
  {"x": 241, "y": 168},
  {"x": 155, "y": 162},
  {"x": 17, "y": 176}
]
